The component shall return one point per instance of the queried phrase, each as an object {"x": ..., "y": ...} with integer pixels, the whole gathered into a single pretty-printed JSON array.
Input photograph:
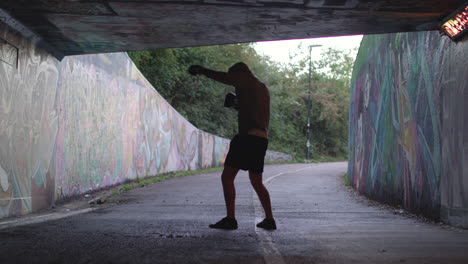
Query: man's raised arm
[{"x": 221, "y": 77}]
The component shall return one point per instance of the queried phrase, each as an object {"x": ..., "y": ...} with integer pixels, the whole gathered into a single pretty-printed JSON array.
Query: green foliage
[
  {"x": 346, "y": 180},
  {"x": 200, "y": 99}
]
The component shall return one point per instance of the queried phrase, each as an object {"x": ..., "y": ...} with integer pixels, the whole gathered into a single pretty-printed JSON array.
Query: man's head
[{"x": 239, "y": 67}]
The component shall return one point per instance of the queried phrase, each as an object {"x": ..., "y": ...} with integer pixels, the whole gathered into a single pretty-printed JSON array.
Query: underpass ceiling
[{"x": 80, "y": 27}]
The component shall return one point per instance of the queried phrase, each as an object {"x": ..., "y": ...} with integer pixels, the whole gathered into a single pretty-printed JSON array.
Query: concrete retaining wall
[
  {"x": 408, "y": 123},
  {"x": 87, "y": 122}
]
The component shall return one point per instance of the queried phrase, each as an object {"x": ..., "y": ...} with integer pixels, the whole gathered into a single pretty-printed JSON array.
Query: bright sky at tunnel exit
[{"x": 279, "y": 50}]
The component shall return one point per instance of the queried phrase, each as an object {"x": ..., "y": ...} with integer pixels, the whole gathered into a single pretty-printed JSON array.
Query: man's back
[{"x": 254, "y": 104}]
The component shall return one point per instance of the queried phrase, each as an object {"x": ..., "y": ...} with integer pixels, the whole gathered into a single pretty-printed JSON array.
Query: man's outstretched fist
[{"x": 195, "y": 69}]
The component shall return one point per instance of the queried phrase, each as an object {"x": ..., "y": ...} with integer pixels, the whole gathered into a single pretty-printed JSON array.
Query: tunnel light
[{"x": 456, "y": 25}]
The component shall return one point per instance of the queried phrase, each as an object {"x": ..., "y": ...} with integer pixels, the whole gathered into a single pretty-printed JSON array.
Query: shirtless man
[{"x": 248, "y": 148}]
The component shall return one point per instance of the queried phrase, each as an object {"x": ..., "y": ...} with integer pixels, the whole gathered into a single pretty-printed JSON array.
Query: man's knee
[
  {"x": 229, "y": 174},
  {"x": 256, "y": 179},
  {"x": 226, "y": 179}
]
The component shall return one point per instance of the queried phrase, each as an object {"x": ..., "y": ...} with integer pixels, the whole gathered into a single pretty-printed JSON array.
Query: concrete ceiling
[{"x": 79, "y": 27}]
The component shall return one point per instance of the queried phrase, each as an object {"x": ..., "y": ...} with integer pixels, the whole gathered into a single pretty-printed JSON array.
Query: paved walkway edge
[{"x": 41, "y": 218}]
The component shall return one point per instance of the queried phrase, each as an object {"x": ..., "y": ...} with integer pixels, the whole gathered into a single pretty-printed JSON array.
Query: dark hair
[{"x": 240, "y": 67}]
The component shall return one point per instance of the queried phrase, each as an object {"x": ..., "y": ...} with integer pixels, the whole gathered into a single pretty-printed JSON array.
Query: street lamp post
[{"x": 309, "y": 100}]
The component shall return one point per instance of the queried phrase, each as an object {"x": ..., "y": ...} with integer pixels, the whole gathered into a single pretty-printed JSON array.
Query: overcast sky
[{"x": 279, "y": 50}]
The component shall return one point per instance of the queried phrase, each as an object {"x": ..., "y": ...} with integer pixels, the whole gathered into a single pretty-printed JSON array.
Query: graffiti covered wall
[
  {"x": 28, "y": 124},
  {"x": 454, "y": 136},
  {"x": 114, "y": 126},
  {"x": 85, "y": 123},
  {"x": 402, "y": 86}
]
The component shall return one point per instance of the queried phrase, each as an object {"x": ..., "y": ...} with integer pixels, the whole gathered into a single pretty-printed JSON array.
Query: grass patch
[
  {"x": 327, "y": 159},
  {"x": 317, "y": 159},
  {"x": 141, "y": 182},
  {"x": 346, "y": 180}
]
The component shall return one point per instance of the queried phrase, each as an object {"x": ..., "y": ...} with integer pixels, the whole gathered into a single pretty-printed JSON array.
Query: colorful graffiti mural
[
  {"x": 395, "y": 146},
  {"x": 395, "y": 152},
  {"x": 454, "y": 136},
  {"x": 28, "y": 126},
  {"x": 119, "y": 128},
  {"x": 85, "y": 123}
]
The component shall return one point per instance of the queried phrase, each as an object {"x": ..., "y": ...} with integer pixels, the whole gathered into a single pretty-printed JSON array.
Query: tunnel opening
[{"x": 288, "y": 80}]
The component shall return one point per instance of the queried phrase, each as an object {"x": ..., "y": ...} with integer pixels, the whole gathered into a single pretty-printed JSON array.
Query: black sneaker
[
  {"x": 268, "y": 224},
  {"x": 225, "y": 223}
]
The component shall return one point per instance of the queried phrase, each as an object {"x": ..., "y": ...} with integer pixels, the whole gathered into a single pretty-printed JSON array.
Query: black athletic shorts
[{"x": 247, "y": 152}]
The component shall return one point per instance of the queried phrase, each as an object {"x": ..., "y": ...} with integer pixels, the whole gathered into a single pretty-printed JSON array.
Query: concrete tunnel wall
[
  {"x": 85, "y": 123},
  {"x": 408, "y": 137}
]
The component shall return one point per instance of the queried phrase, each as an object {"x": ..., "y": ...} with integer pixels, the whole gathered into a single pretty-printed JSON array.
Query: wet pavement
[{"x": 319, "y": 221}]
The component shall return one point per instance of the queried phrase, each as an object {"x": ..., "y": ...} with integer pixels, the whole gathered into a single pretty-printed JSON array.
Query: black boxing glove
[
  {"x": 231, "y": 101},
  {"x": 195, "y": 69}
]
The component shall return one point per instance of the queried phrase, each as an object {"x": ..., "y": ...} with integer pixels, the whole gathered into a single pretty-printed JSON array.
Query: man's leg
[
  {"x": 227, "y": 178},
  {"x": 262, "y": 192}
]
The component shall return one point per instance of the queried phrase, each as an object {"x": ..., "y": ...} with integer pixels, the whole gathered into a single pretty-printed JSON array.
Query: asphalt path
[{"x": 319, "y": 221}]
